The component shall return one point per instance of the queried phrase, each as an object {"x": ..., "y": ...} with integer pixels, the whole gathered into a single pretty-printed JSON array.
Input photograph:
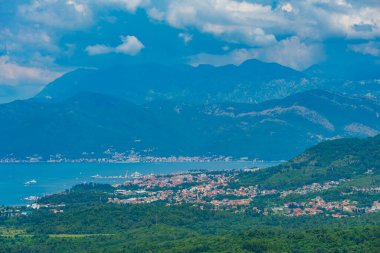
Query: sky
[{"x": 40, "y": 40}]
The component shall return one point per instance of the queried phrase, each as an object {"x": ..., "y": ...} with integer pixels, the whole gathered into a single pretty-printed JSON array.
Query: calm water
[{"x": 56, "y": 177}]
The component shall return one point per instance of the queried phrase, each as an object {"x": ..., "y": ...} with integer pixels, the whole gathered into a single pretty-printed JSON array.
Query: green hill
[{"x": 356, "y": 159}]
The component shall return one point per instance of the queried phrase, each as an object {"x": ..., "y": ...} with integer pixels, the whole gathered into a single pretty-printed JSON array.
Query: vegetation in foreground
[
  {"x": 96, "y": 226},
  {"x": 87, "y": 221}
]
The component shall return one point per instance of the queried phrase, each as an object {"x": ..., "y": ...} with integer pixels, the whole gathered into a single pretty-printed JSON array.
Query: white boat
[
  {"x": 32, "y": 198},
  {"x": 33, "y": 181},
  {"x": 136, "y": 175},
  {"x": 97, "y": 176}
]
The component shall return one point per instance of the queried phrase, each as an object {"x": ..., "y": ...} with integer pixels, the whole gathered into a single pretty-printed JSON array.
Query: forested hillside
[{"x": 356, "y": 159}]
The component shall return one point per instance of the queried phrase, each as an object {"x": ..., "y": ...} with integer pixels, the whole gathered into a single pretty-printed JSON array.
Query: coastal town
[
  {"x": 112, "y": 156},
  {"x": 217, "y": 190},
  {"x": 222, "y": 191}
]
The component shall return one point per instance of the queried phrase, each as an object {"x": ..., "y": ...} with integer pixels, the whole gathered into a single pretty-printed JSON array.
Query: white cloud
[
  {"x": 129, "y": 5},
  {"x": 130, "y": 46},
  {"x": 156, "y": 14},
  {"x": 13, "y": 74},
  {"x": 63, "y": 14},
  {"x": 261, "y": 22},
  {"x": 99, "y": 49},
  {"x": 225, "y": 48},
  {"x": 293, "y": 53},
  {"x": 235, "y": 57},
  {"x": 240, "y": 21},
  {"x": 233, "y": 21},
  {"x": 287, "y": 7},
  {"x": 26, "y": 38},
  {"x": 22, "y": 81},
  {"x": 186, "y": 37},
  {"x": 337, "y": 18},
  {"x": 80, "y": 8},
  {"x": 369, "y": 48},
  {"x": 289, "y": 52},
  {"x": 289, "y": 32},
  {"x": 73, "y": 14}
]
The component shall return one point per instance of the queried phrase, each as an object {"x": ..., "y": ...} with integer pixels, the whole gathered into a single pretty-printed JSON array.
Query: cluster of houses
[
  {"x": 13, "y": 212},
  {"x": 214, "y": 190},
  {"x": 315, "y": 187},
  {"x": 52, "y": 208},
  {"x": 367, "y": 189},
  {"x": 337, "y": 209},
  {"x": 111, "y": 156}
]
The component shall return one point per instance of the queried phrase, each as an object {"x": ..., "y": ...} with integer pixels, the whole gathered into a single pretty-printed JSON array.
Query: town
[
  {"x": 112, "y": 156},
  {"x": 217, "y": 190},
  {"x": 221, "y": 190}
]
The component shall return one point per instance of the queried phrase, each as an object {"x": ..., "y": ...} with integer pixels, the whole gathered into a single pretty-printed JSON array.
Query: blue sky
[{"x": 43, "y": 39}]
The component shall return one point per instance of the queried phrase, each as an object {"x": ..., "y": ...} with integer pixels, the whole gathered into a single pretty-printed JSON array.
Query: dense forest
[{"x": 90, "y": 224}]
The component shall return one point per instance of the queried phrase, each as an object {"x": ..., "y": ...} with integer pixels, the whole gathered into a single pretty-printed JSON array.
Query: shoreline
[
  {"x": 84, "y": 172},
  {"x": 137, "y": 162}
]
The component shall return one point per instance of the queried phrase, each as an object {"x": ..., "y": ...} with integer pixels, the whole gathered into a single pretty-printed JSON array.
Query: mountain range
[
  {"x": 251, "y": 82},
  {"x": 92, "y": 123}
]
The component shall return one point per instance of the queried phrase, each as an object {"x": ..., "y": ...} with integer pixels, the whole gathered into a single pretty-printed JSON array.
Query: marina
[{"x": 133, "y": 175}]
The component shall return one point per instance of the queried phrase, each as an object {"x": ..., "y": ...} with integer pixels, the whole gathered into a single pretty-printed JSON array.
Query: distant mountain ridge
[
  {"x": 90, "y": 122},
  {"x": 251, "y": 82},
  {"x": 359, "y": 68}
]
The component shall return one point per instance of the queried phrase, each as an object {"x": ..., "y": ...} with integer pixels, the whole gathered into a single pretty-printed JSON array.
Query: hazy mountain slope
[
  {"x": 358, "y": 68},
  {"x": 276, "y": 129},
  {"x": 252, "y": 81}
]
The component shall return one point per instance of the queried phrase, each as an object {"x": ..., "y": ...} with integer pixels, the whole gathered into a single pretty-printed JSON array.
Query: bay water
[{"x": 21, "y": 180}]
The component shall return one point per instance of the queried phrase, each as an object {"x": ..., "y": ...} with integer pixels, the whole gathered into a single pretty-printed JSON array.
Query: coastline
[{"x": 58, "y": 176}]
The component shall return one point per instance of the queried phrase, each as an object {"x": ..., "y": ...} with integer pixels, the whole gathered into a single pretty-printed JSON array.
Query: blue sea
[{"x": 56, "y": 177}]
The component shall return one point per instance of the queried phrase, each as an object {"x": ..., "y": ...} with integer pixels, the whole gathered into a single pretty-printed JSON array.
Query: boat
[
  {"x": 32, "y": 198},
  {"x": 136, "y": 175},
  {"x": 97, "y": 176},
  {"x": 33, "y": 181}
]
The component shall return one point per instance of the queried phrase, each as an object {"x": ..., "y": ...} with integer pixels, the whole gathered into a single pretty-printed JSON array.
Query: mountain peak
[{"x": 205, "y": 84}]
